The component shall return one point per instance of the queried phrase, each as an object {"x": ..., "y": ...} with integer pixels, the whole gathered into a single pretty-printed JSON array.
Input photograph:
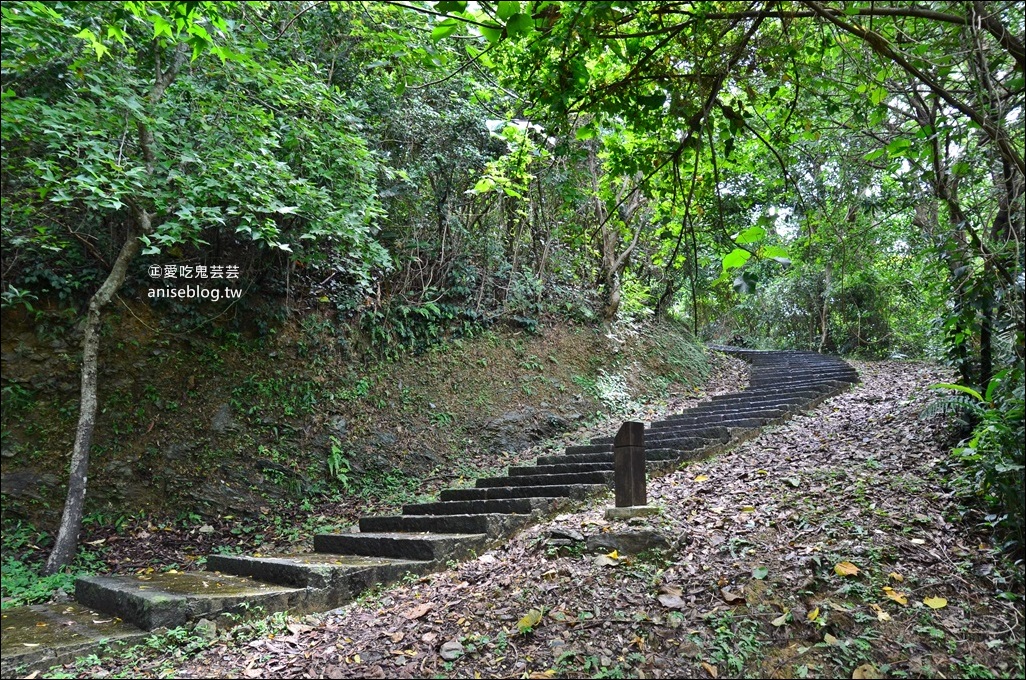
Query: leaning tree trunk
[{"x": 71, "y": 520}]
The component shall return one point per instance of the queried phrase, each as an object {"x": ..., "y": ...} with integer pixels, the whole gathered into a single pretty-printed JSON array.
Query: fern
[{"x": 962, "y": 406}]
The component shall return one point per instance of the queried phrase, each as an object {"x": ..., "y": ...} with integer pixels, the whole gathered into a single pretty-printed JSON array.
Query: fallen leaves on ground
[{"x": 757, "y": 593}]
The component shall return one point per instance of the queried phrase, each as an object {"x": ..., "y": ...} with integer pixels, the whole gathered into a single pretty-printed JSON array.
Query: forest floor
[{"x": 829, "y": 546}]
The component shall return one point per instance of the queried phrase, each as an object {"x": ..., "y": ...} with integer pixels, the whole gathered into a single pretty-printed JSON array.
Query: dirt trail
[{"x": 826, "y": 547}]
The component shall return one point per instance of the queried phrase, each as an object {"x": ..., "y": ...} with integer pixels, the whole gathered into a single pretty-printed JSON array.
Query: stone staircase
[{"x": 426, "y": 537}]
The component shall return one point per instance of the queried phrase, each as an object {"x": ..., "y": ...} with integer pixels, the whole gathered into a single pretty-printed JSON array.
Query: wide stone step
[
  {"x": 171, "y": 600},
  {"x": 337, "y": 578},
  {"x": 725, "y": 404},
  {"x": 492, "y": 524},
  {"x": 42, "y": 635},
  {"x": 426, "y": 547},
  {"x": 564, "y": 468},
  {"x": 600, "y": 477},
  {"x": 726, "y": 419},
  {"x": 504, "y": 505},
  {"x": 651, "y": 454},
  {"x": 762, "y": 393},
  {"x": 713, "y": 419},
  {"x": 589, "y": 448},
  {"x": 575, "y": 491},
  {"x": 789, "y": 378},
  {"x": 817, "y": 385},
  {"x": 715, "y": 432}
]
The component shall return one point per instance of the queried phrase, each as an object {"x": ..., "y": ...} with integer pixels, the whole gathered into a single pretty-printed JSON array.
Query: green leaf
[
  {"x": 735, "y": 258},
  {"x": 451, "y": 7},
  {"x": 898, "y": 147},
  {"x": 444, "y": 29},
  {"x": 508, "y": 9},
  {"x": 492, "y": 34},
  {"x": 484, "y": 185},
  {"x": 655, "y": 101},
  {"x": 519, "y": 24},
  {"x": 586, "y": 132},
  {"x": 958, "y": 388},
  {"x": 750, "y": 235},
  {"x": 760, "y": 573},
  {"x": 878, "y": 94}
]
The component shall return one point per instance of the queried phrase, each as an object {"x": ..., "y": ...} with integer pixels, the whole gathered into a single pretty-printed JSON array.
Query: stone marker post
[{"x": 629, "y": 465}]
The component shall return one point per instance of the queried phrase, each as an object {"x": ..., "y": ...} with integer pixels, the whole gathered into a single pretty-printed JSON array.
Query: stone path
[{"x": 424, "y": 538}]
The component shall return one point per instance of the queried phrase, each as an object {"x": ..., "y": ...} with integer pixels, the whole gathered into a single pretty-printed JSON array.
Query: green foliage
[
  {"x": 338, "y": 465},
  {"x": 23, "y": 582},
  {"x": 993, "y": 457}
]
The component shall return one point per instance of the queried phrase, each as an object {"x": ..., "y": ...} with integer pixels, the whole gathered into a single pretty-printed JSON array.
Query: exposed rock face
[
  {"x": 516, "y": 430},
  {"x": 222, "y": 421},
  {"x": 26, "y": 484}
]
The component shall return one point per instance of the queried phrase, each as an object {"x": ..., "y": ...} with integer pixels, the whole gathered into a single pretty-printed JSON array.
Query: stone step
[
  {"x": 761, "y": 393},
  {"x": 331, "y": 580},
  {"x": 651, "y": 454},
  {"x": 39, "y": 636},
  {"x": 706, "y": 420},
  {"x": 816, "y": 385},
  {"x": 729, "y": 402},
  {"x": 715, "y": 432},
  {"x": 425, "y": 547},
  {"x": 575, "y": 491},
  {"x": 682, "y": 439},
  {"x": 600, "y": 477},
  {"x": 724, "y": 419},
  {"x": 171, "y": 600},
  {"x": 503, "y": 505},
  {"x": 776, "y": 378},
  {"x": 563, "y": 468},
  {"x": 492, "y": 524},
  {"x": 589, "y": 448}
]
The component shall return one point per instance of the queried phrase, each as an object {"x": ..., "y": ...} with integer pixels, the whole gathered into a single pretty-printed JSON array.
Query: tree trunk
[
  {"x": 824, "y": 311},
  {"x": 71, "y": 520}
]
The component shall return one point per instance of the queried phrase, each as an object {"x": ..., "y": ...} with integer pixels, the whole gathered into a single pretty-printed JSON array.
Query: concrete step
[
  {"x": 705, "y": 420},
  {"x": 426, "y": 547},
  {"x": 564, "y": 468},
  {"x": 725, "y": 419},
  {"x": 589, "y": 448},
  {"x": 803, "y": 376},
  {"x": 651, "y": 454},
  {"x": 537, "y": 505},
  {"x": 600, "y": 477},
  {"x": 42, "y": 635},
  {"x": 761, "y": 393},
  {"x": 493, "y": 524},
  {"x": 715, "y": 432},
  {"x": 171, "y": 600},
  {"x": 755, "y": 401},
  {"x": 331, "y": 580},
  {"x": 575, "y": 491}
]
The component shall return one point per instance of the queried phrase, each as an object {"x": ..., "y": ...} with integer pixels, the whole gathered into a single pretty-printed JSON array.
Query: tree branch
[{"x": 880, "y": 45}]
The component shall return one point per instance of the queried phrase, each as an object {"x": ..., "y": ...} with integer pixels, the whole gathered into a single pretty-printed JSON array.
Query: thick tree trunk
[{"x": 71, "y": 520}]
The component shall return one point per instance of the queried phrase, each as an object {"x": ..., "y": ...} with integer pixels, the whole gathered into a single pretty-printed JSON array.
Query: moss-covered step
[
  {"x": 172, "y": 599},
  {"x": 41, "y": 635},
  {"x": 329, "y": 580}
]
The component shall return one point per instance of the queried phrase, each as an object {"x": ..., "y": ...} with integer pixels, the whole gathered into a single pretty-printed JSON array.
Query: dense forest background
[{"x": 841, "y": 177}]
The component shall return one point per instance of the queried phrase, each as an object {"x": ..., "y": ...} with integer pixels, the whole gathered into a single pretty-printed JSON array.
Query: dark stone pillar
[{"x": 629, "y": 465}]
